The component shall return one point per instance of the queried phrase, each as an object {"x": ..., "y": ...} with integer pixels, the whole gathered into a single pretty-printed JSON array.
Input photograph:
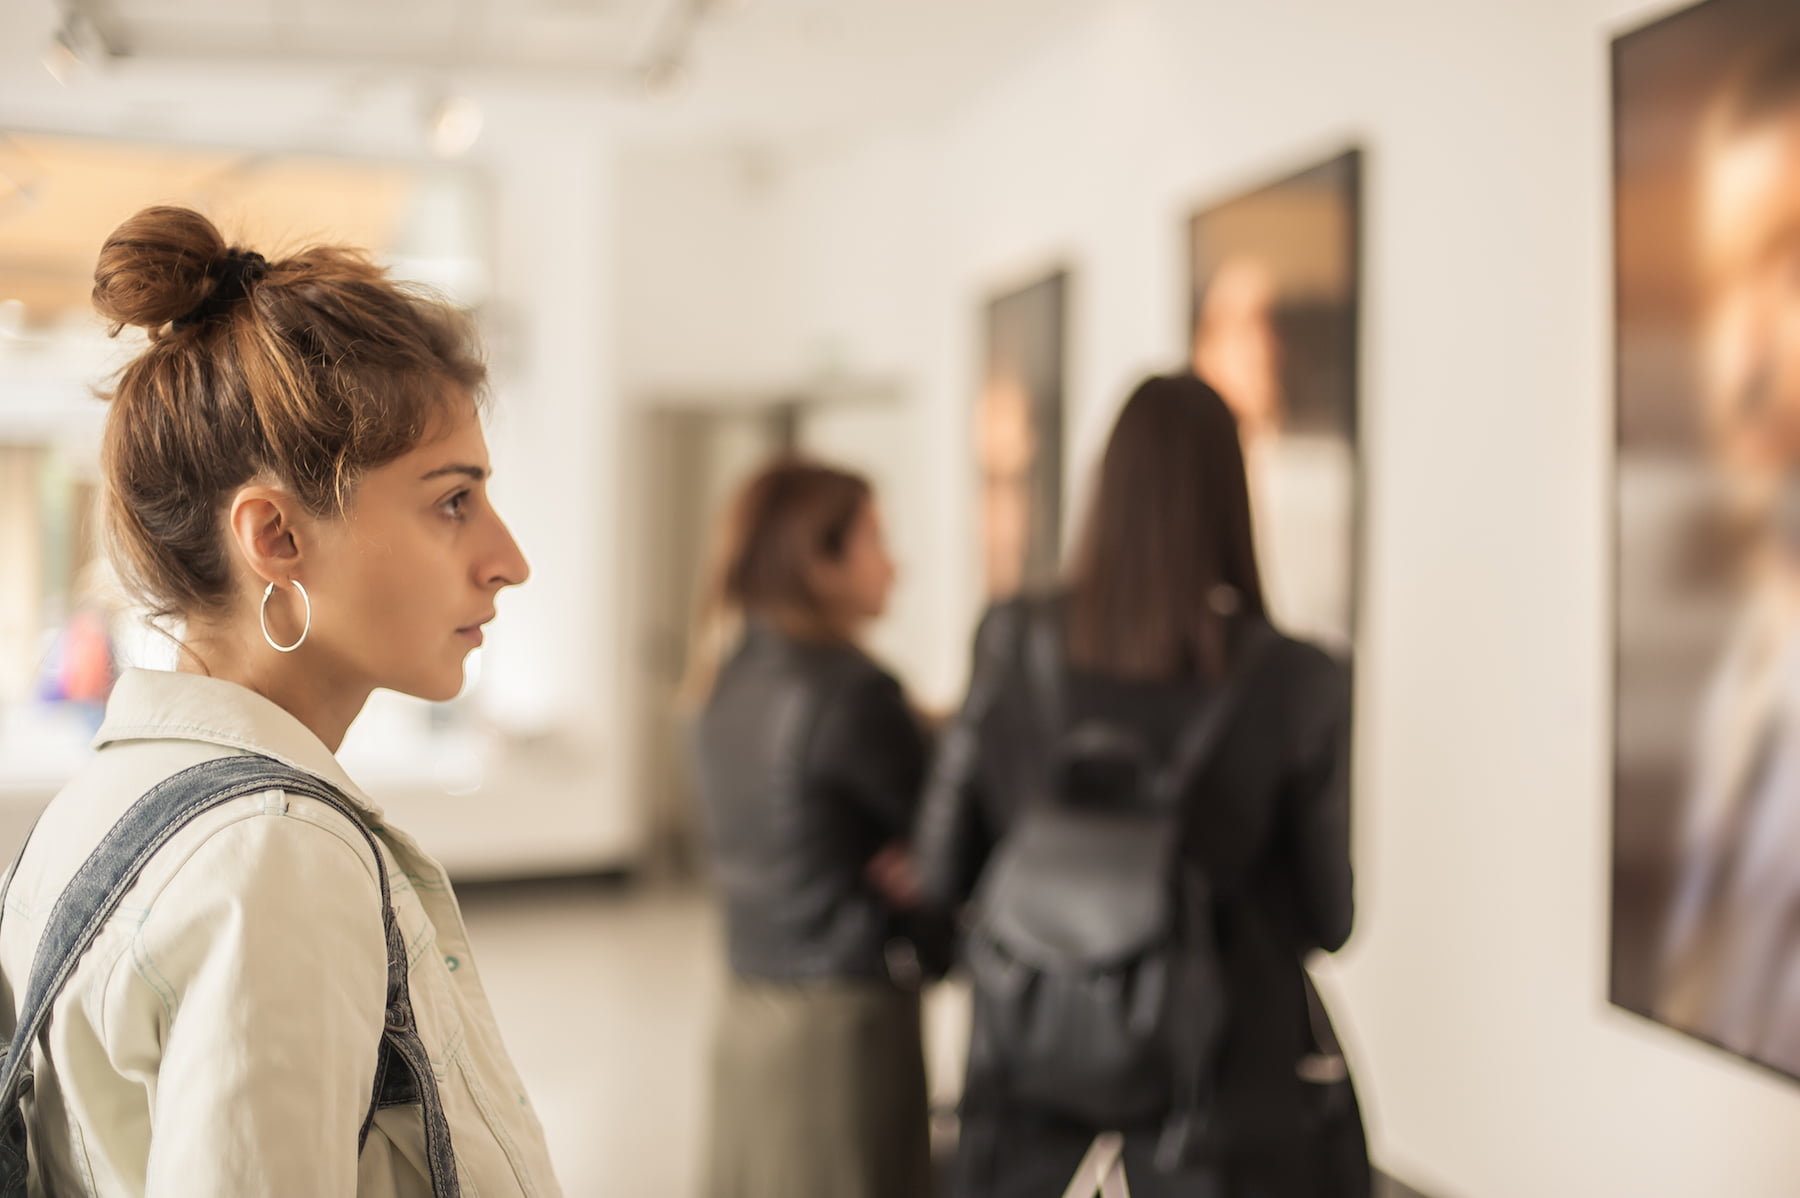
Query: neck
[
  {"x": 816, "y": 627},
  {"x": 324, "y": 701}
]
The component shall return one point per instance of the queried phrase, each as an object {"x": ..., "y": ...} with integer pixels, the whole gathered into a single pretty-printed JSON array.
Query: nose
[{"x": 507, "y": 566}]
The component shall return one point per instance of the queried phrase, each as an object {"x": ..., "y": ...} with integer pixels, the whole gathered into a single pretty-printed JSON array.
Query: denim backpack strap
[
  {"x": 6, "y": 994},
  {"x": 102, "y": 882},
  {"x": 403, "y": 1073},
  {"x": 14, "y": 1157}
]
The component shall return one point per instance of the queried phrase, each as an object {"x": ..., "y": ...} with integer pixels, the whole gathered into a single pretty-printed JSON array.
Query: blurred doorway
[{"x": 688, "y": 460}]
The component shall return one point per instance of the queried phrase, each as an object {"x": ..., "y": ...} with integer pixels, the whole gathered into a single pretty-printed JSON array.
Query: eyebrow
[{"x": 474, "y": 473}]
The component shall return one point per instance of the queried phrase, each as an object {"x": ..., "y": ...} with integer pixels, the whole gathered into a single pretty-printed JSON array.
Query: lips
[{"x": 473, "y": 631}]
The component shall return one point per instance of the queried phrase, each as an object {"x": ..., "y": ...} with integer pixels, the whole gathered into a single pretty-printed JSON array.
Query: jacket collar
[{"x": 163, "y": 705}]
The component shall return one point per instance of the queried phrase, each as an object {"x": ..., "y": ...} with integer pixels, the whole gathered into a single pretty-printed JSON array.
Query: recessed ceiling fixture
[
  {"x": 62, "y": 56},
  {"x": 453, "y": 126}
]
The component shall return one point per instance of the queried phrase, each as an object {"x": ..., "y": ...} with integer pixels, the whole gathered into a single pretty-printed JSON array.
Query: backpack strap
[
  {"x": 1188, "y": 1131},
  {"x": 6, "y": 992},
  {"x": 1205, "y": 731},
  {"x": 1047, "y": 669},
  {"x": 1047, "y": 666},
  {"x": 1189, "y": 1128},
  {"x": 103, "y": 880}
]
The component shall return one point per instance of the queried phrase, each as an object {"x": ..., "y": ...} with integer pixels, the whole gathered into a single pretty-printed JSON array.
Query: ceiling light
[
  {"x": 454, "y": 126},
  {"x": 666, "y": 76},
  {"x": 62, "y": 58}
]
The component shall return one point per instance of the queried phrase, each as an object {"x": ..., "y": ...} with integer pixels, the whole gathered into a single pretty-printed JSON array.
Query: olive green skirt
[{"x": 818, "y": 1091}]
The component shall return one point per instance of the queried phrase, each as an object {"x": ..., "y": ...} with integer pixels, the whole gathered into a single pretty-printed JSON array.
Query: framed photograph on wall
[
  {"x": 1019, "y": 437},
  {"x": 1273, "y": 327},
  {"x": 1706, "y": 797}
]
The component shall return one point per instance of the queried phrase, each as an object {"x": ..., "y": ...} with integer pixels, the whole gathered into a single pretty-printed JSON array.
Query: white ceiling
[
  {"x": 592, "y": 37},
  {"x": 766, "y": 73}
]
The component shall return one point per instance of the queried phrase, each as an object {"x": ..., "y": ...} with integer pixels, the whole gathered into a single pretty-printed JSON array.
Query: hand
[
  {"x": 931, "y": 719},
  {"x": 894, "y": 874}
]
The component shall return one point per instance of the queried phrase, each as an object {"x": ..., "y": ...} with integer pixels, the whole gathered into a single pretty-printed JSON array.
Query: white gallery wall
[
  {"x": 550, "y": 791},
  {"x": 1474, "y": 994},
  {"x": 1473, "y": 997}
]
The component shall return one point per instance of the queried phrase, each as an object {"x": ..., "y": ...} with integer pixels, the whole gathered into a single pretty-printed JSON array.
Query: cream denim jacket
[{"x": 219, "y": 1038}]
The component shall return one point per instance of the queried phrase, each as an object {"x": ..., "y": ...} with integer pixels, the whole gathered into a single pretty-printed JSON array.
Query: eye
[{"x": 453, "y": 506}]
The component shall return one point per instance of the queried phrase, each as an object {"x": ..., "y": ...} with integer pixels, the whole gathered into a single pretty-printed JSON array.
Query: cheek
[
  {"x": 390, "y": 596},
  {"x": 878, "y": 574}
]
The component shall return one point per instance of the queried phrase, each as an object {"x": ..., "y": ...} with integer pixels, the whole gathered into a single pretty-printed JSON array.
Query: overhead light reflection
[
  {"x": 62, "y": 58},
  {"x": 454, "y": 126}
]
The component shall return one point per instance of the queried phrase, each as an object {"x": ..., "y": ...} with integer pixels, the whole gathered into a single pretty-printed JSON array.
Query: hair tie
[{"x": 231, "y": 282}]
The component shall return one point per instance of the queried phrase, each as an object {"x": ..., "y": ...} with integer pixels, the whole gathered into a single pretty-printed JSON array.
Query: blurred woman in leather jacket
[
  {"x": 1162, "y": 600},
  {"x": 810, "y": 764}
]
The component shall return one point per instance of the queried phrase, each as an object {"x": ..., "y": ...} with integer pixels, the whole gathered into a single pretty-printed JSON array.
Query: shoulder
[
  {"x": 112, "y": 786},
  {"x": 272, "y": 868},
  {"x": 1309, "y": 683},
  {"x": 850, "y": 679},
  {"x": 1001, "y": 632},
  {"x": 262, "y": 845},
  {"x": 1011, "y": 616},
  {"x": 276, "y": 908},
  {"x": 258, "y": 888},
  {"x": 1300, "y": 662},
  {"x": 279, "y": 818}
]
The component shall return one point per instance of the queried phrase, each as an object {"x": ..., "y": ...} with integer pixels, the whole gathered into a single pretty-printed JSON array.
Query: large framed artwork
[
  {"x": 1706, "y": 803},
  {"x": 1273, "y": 327},
  {"x": 1019, "y": 437}
]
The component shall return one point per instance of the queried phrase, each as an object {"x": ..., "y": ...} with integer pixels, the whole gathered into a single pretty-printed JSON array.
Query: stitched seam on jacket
[
  {"x": 253, "y": 809},
  {"x": 333, "y": 822},
  {"x": 277, "y": 804},
  {"x": 109, "y": 969},
  {"x": 416, "y": 952},
  {"x": 228, "y": 740},
  {"x": 81, "y": 1158},
  {"x": 453, "y": 1053},
  {"x": 145, "y": 968},
  {"x": 496, "y": 1126}
]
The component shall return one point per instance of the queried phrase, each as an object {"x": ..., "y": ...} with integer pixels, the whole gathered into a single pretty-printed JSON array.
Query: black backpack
[{"x": 1093, "y": 951}]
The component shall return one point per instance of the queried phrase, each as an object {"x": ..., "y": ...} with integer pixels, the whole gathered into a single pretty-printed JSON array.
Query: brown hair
[
  {"x": 1166, "y": 567},
  {"x": 790, "y": 516},
  {"x": 1763, "y": 86},
  {"x": 309, "y": 371}
]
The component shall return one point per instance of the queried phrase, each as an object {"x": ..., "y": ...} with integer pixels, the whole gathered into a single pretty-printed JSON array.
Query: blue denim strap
[{"x": 102, "y": 882}]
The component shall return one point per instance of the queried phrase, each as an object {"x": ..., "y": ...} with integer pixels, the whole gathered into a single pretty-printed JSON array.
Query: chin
[
  {"x": 450, "y": 689},
  {"x": 435, "y": 689}
]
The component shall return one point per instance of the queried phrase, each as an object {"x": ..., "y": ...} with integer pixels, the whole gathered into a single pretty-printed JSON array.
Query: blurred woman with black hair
[{"x": 1162, "y": 607}]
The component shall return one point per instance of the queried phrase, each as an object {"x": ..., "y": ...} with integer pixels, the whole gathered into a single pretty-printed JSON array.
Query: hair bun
[{"x": 157, "y": 267}]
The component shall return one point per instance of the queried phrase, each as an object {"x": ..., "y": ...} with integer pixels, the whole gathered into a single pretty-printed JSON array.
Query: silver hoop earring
[{"x": 263, "y": 617}]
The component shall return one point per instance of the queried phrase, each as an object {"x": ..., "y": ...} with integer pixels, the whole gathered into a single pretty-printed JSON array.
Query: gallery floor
[{"x": 604, "y": 991}]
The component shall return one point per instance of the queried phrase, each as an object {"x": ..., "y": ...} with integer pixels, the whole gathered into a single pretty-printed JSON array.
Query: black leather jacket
[{"x": 809, "y": 760}]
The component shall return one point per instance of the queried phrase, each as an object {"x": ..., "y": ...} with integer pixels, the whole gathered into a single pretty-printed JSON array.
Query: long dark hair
[
  {"x": 791, "y": 516},
  {"x": 1166, "y": 567}
]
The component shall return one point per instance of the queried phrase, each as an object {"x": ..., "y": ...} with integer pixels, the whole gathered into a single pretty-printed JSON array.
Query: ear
[
  {"x": 269, "y": 531},
  {"x": 818, "y": 574}
]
